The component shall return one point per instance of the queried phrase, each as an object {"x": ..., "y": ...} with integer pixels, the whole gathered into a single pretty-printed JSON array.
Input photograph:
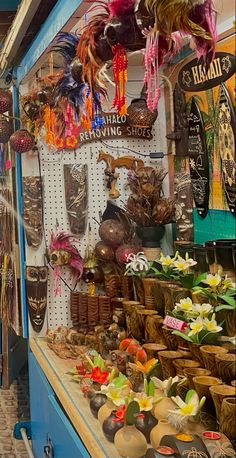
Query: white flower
[
  {"x": 137, "y": 263},
  {"x": 145, "y": 402},
  {"x": 181, "y": 264},
  {"x": 191, "y": 262},
  {"x": 211, "y": 325},
  {"x": 203, "y": 310},
  {"x": 189, "y": 408},
  {"x": 227, "y": 283},
  {"x": 116, "y": 395},
  {"x": 212, "y": 280},
  {"x": 166, "y": 261},
  {"x": 165, "y": 385},
  {"x": 184, "y": 305},
  {"x": 196, "y": 326}
]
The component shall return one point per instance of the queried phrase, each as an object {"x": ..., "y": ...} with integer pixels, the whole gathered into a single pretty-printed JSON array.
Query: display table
[{"x": 90, "y": 440}]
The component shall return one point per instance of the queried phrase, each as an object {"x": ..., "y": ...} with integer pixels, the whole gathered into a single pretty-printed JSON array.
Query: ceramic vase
[
  {"x": 194, "y": 372},
  {"x": 166, "y": 359},
  {"x": 110, "y": 427},
  {"x": 130, "y": 442},
  {"x": 149, "y": 298},
  {"x": 163, "y": 428},
  {"x": 105, "y": 411},
  {"x": 226, "y": 366},
  {"x": 208, "y": 353},
  {"x": 161, "y": 408},
  {"x": 181, "y": 364},
  {"x": 146, "y": 423},
  {"x": 228, "y": 418},
  {"x": 219, "y": 393},
  {"x": 96, "y": 402}
]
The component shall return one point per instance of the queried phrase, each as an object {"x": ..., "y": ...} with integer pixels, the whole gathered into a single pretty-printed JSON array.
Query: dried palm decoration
[{"x": 146, "y": 205}]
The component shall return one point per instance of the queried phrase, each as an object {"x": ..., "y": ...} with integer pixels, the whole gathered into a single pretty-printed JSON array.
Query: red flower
[
  {"x": 99, "y": 376},
  {"x": 120, "y": 414},
  {"x": 71, "y": 142}
]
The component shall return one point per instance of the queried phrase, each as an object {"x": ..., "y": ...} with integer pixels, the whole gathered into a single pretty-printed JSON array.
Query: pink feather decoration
[
  {"x": 62, "y": 241},
  {"x": 121, "y": 7}
]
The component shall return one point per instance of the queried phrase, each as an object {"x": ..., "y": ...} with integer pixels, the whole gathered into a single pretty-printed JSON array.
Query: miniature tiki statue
[
  {"x": 227, "y": 127},
  {"x": 180, "y": 134},
  {"x": 76, "y": 194},
  {"x": 33, "y": 210},
  {"x": 183, "y": 207},
  {"x": 36, "y": 291},
  {"x": 198, "y": 160},
  {"x": 111, "y": 176}
]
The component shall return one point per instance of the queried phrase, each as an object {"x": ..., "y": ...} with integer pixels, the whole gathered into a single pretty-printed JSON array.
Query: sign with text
[
  {"x": 114, "y": 126},
  {"x": 195, "y": 76}
]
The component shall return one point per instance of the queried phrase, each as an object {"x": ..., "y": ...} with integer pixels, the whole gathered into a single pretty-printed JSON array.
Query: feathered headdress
[{"x": 62, "y": 251}]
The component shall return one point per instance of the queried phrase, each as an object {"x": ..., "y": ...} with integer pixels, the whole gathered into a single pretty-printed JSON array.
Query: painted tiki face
[{"x": 36, "y": 290}]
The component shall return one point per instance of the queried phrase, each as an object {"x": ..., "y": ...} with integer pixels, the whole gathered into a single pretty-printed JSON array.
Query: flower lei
[
  {"x": 119, "y": 65},
  {"x": 151, "y": 77}
]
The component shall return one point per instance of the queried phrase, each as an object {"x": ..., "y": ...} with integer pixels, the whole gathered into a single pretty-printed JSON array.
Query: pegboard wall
[{"x": 52, "y": 163}]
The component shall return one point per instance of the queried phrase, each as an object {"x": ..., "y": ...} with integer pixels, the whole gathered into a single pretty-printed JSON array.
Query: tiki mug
[
  {"x": 153, "y": 329},
  {"x": 219, "y": 393},
  {"x": 166, "y": 359},
  {"x": 149, "y": 298},
  {"x": 208, "y": 353},
  {"x": 228, "y": 418}
]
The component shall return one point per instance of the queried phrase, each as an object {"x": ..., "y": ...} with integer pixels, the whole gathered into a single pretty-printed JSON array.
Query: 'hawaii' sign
[{"x": 195, "y": 76}]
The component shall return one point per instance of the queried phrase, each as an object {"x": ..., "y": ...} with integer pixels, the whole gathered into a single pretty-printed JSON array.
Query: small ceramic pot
[
  {"x": 194, "y": 372},
  {"x": 194, "y": 349},
  {"x": 208, "y": 353},
  {"x": 152, "y": 349},
  {"x": 146, "y": 423},
  {"x": 181, "y": 364},
  {"x": 228, "y": 418},
  {"x": 219, "y": 393},
  {"x": 130, "y": 442},
  {"x": 166, "y": 359},
  {"x": 169, "y": 338},
  {"x": 226, "y": 366},
  {"x": 96, "y": 402},
  {"x": 161, "y": 408},
  {"x": 202, "y": 385},
  {"x": 105, "y": 411},
  {"x": 153, "y": 329},
  {"x": 163, "y": 428},
  {"x": 149, "y": 298},
  {"x": 110, "y": 427}
]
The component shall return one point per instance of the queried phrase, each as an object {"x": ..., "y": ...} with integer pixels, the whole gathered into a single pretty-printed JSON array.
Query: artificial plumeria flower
[
  {"x": 137, "y": 263},
  {"x": 227, "y": 284},
  {"x": 146, "y": 367},
  {"x": 165, "y": 385},
  {"x": 145, "y": 402},
  {"x": 202, "y": 310},
  {"x": 116, "y": 395},
  {"x": 184, "y": 305},
  {"x": 211, "y": 325},
  {"x": 189, "y": 408},
  {"x": 212, "y": 280},
  {"x": 196, "y": 327},
  {"x": 166, "y": 261},
  {"x": 182, "y": 265}
]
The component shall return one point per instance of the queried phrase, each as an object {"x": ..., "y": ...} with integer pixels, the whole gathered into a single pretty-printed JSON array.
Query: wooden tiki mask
[{"x": 36, "y": 291}]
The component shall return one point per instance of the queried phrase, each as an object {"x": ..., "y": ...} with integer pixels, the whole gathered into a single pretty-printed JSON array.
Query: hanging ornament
[
  {"x": 104, "y": 252},
  {"x": 5, "y": 101},
  {"x": 123, "y": 252},
  {"x": 112, "y": 232},
  {"x": 119, "y": 65},
  {"x": 151, "y": 77},
  {"x": 5, "y": 130},
  {"x": 22, "y": 141}
]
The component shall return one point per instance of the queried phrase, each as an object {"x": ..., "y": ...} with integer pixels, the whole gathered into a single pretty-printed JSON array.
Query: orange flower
[
  {"x": 72, "y": 141},
  {"x": 59, "y": 142},
  {"x": 144, "y": 368}
]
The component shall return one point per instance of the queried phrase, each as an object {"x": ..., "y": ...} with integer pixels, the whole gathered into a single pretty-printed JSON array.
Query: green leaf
[
  {"x": 132, "y": 411},
  {"x": 223, "y": 307},
  {"x": 151, "y": 388},
  {"x": 229, "y": 299},
  {"x": 189, "y": 394},
  {"x": 200, "y": 278},
  {"x": 181, "y": 334}
]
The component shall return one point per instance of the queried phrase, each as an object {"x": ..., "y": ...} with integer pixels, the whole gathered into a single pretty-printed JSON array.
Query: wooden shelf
[{"x": 72, "y": 400}]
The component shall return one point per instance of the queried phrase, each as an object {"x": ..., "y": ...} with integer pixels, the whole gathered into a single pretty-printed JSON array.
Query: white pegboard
[{"x": 54, "y": 197}]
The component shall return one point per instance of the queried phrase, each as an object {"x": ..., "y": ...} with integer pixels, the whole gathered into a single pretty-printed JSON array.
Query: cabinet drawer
[{"x": 48, "y": 420}]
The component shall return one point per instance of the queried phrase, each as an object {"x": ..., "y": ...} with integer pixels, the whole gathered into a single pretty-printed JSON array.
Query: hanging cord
[
  {"x": 43, "y": 223},
  {"x": 154, "y": 155}
]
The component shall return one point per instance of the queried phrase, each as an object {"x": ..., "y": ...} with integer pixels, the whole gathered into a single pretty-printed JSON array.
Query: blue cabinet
[{"x": 50, "y": 426}]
